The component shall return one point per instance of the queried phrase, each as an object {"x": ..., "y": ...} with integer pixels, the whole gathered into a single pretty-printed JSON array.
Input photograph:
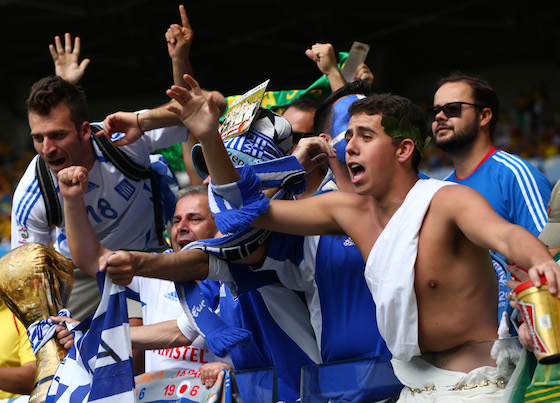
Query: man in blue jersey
[
  {"x": 464, "y": 118},
  {"x": 465, "y": 114}
]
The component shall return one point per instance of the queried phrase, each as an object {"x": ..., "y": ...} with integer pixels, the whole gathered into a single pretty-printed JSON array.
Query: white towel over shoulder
[{"x": 390, "y": 271}]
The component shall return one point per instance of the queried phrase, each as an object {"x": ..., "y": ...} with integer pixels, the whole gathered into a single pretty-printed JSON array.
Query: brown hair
[{"x": 49, "y": 92}]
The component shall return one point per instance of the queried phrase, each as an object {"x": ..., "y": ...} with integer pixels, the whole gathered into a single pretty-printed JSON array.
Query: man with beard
[{"x": 464, "y": 118}]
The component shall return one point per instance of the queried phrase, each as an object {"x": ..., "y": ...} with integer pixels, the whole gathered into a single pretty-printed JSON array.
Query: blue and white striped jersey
[
  {"x": 120, "y": 210},
  {"x": 516, "y": 190}
]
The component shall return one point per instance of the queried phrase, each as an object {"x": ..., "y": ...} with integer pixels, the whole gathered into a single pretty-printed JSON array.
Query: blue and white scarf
[
  {"x": 285, "y": 173},
  {"x": 98, "y": 367},
  {"x": 237, "y": 204}
]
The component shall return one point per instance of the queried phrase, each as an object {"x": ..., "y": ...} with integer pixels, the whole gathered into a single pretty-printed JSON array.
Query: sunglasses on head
[{"x": 451, "y": 110}]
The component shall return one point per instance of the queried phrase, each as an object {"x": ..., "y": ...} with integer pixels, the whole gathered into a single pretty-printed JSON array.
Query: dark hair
[
  {"x": 482, "y": 92},
  {"x": 304, "y": 104},
  {"x": 323, "y": 115},
  {"x": 193, "y": 190},
  {"x": 398, "y": 107},
  {"x": 49, "y": 92}
]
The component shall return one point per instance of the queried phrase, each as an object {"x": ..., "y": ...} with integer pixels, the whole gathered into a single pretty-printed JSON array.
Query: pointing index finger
[{"x": 184, "y": 19}]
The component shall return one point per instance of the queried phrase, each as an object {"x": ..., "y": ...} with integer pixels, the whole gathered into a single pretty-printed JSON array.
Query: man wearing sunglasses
[{"x": 464, "y": 118}]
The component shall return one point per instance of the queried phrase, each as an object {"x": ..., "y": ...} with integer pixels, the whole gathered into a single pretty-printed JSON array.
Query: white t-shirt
[{"x": 160, "y": 303}]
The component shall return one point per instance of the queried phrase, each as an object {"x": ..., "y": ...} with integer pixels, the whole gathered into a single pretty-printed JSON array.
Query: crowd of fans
[{"x": 528, "y": 126}]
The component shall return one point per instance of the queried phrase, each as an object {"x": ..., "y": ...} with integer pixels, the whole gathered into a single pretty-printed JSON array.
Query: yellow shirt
[{"x": 15, "y": 348}]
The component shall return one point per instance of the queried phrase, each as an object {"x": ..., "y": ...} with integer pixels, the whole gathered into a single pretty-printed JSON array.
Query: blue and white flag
[
  {"x": 42, "y": 331},
  {"x": 98, "y": 367}
]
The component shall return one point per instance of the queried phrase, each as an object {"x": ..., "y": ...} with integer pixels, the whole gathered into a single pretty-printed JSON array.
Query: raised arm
[
  {"x": 363, "y": 72},
  {"x": 323, "y": 54},
  {"x": 134, "y": 125},
  {"x": 179, "y": 41},
  {"x": 66, "y": 60},
  {"x": 84, "y": 245},
  {"x": 200, "y": 114}
]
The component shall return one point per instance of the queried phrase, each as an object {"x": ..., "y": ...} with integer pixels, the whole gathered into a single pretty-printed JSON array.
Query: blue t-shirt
[
  {"x": 516, "y": 190},
  {"x": 270, "y": 347}
]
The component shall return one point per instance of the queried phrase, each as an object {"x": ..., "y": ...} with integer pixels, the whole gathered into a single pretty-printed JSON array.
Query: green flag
[{"x": 277, "y": 100}]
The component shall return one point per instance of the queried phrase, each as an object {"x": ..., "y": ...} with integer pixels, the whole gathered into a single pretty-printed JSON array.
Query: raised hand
[
  {"x": 197, "y": 109},
  {"x": 66, "y": 60},
  {"x": 323, "y": 54},
  {"x": 363, "y": 72},
  {"x": 313, "y": 151},
  {"x": 179, "y": 37}
]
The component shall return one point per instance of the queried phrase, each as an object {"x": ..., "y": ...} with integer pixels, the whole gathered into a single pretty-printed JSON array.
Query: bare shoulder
[
  {"x": 460, "y": 203},
  {"x": 457, "y": 195}
]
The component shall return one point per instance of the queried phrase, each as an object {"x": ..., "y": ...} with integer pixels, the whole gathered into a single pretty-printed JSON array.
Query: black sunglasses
[
  {"x": 297, "y": 136},
  {"x": 451, "y": 110}
]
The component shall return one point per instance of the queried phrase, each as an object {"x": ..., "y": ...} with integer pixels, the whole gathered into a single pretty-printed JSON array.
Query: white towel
[{"x": 390, "y": 271}]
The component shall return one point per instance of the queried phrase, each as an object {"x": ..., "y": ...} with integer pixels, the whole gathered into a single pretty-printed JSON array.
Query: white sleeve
[
  {"x": 166, "y": 136},
  {"x": 186, "y": 327}
]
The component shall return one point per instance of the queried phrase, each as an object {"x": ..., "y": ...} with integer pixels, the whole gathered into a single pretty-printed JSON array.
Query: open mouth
[
  {"x": 183, "y": 243},
  {"x": 356, "y": 171},
  {"x": 57, "y": 163}
]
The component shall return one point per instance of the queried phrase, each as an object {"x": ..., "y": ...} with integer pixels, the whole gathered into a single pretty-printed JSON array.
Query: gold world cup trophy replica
[{"x": 35, "y": 283}]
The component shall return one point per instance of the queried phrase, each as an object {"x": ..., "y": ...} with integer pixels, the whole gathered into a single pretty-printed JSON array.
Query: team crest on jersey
[
  {"x": 23, "y": 232},
  {"x": 172, "y": 296},
  {"x": 91, "y": 186},
  {"x": 125, "y": 189},
  {"x": 349, "y": 242}
]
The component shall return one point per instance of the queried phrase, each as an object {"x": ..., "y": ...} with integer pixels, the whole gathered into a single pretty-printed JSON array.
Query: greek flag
[{"x": 98, "y": 367}]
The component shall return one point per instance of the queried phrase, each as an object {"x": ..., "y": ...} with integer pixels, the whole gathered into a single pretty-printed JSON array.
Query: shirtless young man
[{"x": 450, "y": 265}]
